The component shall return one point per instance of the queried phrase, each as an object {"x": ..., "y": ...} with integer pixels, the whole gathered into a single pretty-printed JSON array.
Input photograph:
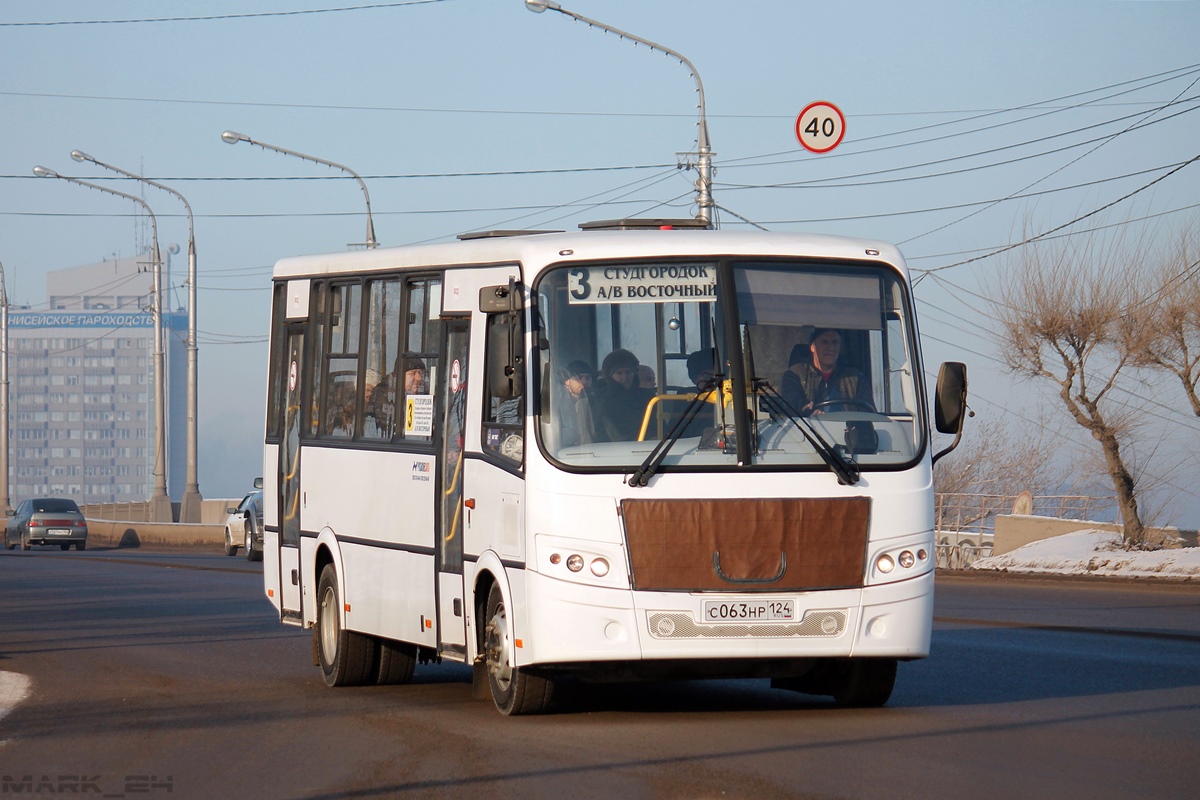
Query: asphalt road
[{"x": 166, "y": 675}]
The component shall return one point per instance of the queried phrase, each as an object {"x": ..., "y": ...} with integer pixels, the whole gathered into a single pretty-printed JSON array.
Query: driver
[{"x": 813, "y": 383}]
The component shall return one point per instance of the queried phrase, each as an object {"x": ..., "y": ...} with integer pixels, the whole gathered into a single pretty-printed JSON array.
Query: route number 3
[{"x": 820, "y": 127}]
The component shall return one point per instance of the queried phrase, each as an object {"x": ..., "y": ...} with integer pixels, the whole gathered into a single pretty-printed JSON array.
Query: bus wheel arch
[
  {"x": 515, "y": 690},
  {"x": 346, "y": 658}
]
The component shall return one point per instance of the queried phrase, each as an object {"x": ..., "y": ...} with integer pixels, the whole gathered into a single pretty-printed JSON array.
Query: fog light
[
  {"x": 599, "y": 567},
  {"x": 907, "y": 559},
  {"x": 885, "y": 564},
  {"x": 575, "y": 562}
]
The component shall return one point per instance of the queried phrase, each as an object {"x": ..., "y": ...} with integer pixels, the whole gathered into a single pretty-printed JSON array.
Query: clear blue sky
[{"x": 952, "y": 107}]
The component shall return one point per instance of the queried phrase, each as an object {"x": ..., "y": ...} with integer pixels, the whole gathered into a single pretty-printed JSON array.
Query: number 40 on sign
[{"x": 820, "y": 127}]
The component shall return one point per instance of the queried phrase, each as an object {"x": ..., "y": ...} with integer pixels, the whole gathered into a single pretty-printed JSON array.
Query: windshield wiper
[
  {"x": 641, "y": 476},
  {"x": 846, "y": 470}
]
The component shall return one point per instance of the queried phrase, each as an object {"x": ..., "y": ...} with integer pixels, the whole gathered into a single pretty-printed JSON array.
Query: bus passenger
[
  {"x": 617, "y": 404},
  {"x": 576, "y": 380},
  {"x": 815, "y": 378},
  {"x": 381, "y": 405},
  {"x": 702, "y": 372}
]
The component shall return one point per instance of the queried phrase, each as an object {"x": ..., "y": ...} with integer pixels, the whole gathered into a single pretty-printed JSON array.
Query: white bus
[{"x": 461, "y": 466}]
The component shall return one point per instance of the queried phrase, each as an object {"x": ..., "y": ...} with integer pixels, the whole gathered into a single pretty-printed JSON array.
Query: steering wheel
[{"x": 849, "y": 401}]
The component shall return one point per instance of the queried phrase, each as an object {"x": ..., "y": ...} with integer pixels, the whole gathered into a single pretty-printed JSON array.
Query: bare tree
[
  {"x": 1000, "y": 458},
  {"x": 1167, "y": 321},
  {"x": 1063, "y": 314}
]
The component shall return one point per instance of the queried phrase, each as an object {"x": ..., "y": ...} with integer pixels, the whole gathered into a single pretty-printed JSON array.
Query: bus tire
[
  {"x": 397, "y": 661},
  {"x": 865, "y": 682},
  {"x": 514, "y": 689},
  {"x": 346, "y": 658}
]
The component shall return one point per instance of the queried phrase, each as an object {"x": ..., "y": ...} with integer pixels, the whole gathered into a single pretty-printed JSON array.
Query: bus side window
[
  {"x": 422, "y": 331},
  {"x": 341, "y": 366},
  {"x": 504, "y": 410},
  {"x": 379, "y": 376},
  {"x": 315, "y": 368}
]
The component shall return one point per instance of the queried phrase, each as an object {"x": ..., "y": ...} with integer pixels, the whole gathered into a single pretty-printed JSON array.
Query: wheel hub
[
  {"x": 497, "y": 648},
  {"x": 328, "y": 622}
]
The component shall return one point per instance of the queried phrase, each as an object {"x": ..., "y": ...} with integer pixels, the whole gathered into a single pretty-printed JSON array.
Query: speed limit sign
[{"x": 820, "y": 127}]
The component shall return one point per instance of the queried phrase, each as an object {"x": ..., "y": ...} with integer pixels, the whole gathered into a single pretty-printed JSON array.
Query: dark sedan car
[{"x": 46, "y": 520}]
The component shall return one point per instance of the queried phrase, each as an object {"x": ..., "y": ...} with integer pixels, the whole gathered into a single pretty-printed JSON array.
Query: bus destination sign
[{"x": 644, "y": 283}]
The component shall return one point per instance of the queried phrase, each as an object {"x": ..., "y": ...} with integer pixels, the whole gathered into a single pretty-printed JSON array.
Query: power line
[
  {"x": 823, "y": 183},
  {"x": 398, "y": 176},
  {"x": 371, "y": 7},
  {"x": 1060, "y": 168},
  {"x": 1063, "y": 235},
  {"x": 1184, "y": 72},
  {"x": 1067, "y": 224}
]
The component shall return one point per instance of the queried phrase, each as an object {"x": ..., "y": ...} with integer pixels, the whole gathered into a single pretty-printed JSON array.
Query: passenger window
[
  {"x": 504, "y": 411},
  {"x": 418, "y": 363},
  {"x": 341, "y": 367},
  {"x": 379, "y": 387}
]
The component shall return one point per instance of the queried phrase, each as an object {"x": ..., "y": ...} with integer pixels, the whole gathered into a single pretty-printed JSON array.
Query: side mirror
[
  {"x": 950, "y": 403},
  {"x": 500, "y": 298},
  {"x": 504, "y": 370},
  {"x": 231, "y": 511},
  {"x": 258, "y": 483}
]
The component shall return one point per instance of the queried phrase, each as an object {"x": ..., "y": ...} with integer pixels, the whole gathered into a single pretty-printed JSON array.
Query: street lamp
[
  {"x": 233, "y": 137},
  {"x": 704, "y": 161},
  {"x": 160, "y": 503},
  {"x": 189, "y": 506}
]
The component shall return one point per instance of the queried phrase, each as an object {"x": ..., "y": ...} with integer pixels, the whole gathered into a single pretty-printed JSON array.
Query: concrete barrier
[
  {"x": 127, "y": 533},
  {"x": 1013, "y": 531}
]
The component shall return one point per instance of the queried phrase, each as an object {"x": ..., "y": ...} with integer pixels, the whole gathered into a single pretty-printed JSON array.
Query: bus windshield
[{"x": 738, "y": 363}]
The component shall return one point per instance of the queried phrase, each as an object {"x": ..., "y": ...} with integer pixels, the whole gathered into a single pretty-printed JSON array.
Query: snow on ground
[
  {"x": 1092, "y": 552},
  {"x": 14, "y": 687}
]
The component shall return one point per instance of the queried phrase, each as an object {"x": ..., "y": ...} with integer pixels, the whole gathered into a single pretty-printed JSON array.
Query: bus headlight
[
  {"x": 599, "y": 567},
  {"x": 575, "y": 562}
]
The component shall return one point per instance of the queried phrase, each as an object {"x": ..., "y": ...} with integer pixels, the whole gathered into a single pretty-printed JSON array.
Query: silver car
[
  {"x": 46, "y": 520},
  {"x": 243, "y": 527}
]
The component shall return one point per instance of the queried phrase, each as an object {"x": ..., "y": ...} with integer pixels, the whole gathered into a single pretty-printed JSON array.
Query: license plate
[
  {"x": 58, "y": 532},
  {"x": 749, "y": 610}
]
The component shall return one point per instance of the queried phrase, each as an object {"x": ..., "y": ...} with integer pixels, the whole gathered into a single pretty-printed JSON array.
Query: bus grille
[{"x": 681, "y": 625}]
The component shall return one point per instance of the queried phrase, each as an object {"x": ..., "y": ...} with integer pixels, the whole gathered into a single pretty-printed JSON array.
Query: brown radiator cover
[{"x": 782, "y": 544}]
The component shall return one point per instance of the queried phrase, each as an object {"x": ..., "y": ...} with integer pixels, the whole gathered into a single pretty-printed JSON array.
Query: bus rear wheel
[
  {"x": 514, "y": 689},
  {"x": 397, "y": 662},
  {"x": 346, "y": 658}
]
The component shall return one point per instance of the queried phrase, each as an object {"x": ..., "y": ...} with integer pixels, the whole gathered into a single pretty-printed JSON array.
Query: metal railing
[{"x": 966, "y": 523}]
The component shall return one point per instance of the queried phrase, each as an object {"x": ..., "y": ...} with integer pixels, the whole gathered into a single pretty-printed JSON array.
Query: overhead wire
[
  {"x": 216, "y": 17},
  {"x": 1059, "y": 169},
  {"x": 730, "y": 163}
]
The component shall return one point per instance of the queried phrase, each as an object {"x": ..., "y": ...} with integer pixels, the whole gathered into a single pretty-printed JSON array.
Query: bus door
[
  {"x": 451, "y": 612},
  {"x": 289, "y": 480}
]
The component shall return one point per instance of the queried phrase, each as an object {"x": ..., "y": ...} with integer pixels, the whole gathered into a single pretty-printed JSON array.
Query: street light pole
[
  {"x": 189, "y": 506},
  {"x": 160, "y": 502},
  {"x": 233, "y": 137},
  {"x": 704, "y": 155},
  {"x": 5, "y": 503}
]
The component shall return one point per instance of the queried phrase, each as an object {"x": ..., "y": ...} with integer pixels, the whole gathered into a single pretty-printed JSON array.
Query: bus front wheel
[
  {"x": 347, "y": 658},
  {"x": 514, "y": 689}
]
